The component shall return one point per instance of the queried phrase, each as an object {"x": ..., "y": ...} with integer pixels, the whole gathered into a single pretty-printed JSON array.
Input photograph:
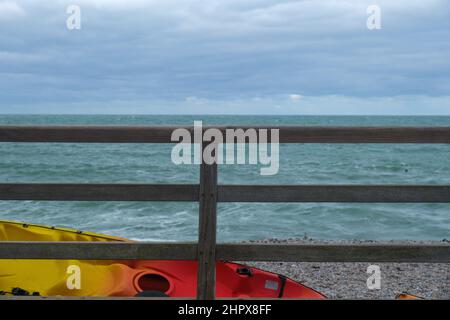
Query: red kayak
[{"x": 179, "y": 279}]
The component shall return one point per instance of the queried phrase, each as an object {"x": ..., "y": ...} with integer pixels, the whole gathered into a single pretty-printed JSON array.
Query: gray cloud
[{"x": 225, "y": 52}]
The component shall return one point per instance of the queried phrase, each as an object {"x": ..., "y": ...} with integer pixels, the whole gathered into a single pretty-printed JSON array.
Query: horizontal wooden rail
[
  {"x": 236, "y": 252},
  {"x": 99, "y": 192},
  {"x": 162, "y": 134},
  {"x": 228, "y": 193},
  {"x": 98, "y": 250},
  {"x": 335, "y": 253},
  {"x": 335, "y": 193}
]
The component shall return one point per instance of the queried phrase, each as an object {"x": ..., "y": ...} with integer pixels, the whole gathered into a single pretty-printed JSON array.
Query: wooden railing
[{"x": 207, "y": 192}]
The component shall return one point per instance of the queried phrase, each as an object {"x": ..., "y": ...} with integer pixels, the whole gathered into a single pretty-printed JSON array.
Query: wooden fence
[{"x": 208, "y": 193}]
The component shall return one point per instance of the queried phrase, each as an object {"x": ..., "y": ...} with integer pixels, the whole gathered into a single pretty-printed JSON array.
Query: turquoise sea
[{"x": 299, "y": 164}]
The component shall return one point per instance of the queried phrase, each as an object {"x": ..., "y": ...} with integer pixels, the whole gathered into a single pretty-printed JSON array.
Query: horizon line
[{"x": 224, "y": 114}]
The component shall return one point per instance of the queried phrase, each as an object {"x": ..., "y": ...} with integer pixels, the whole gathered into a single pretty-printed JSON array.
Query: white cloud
[
  {"x": 9, "y": 10},
  {"x": 295, "y": 97},
  {"x": 195, "y": 100}
]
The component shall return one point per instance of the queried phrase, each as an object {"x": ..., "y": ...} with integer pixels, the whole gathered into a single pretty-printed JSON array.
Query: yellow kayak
[
  {"x": 60, "y": 277},
  {"x": 18, "y": 231}
]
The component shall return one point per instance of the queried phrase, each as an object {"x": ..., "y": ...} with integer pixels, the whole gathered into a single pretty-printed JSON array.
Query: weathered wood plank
[
  {"x": 162, "y": 134},
  {"x": 335, "y": 193},
  {"x": 87, "y": 134},
  {"x": 98, "y": 250},
  {"x": 99, "y": 192},
  {"x": 206, "y": 288},
  {"x": 334, "y": 253},
  {"x": 227, "y": 193},
  {"x": 373, "y": 134},
  {"x": 228, "y": 252}
]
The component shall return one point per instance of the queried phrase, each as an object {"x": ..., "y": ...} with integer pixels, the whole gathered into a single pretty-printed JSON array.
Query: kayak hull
[{"x": 127, "y": 278}]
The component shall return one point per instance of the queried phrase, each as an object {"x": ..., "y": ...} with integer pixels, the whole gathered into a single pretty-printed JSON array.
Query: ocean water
[{"x": 177, "y": 221}]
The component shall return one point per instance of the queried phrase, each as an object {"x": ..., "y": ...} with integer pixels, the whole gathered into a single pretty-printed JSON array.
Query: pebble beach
[{"x": 348, "y": 280}]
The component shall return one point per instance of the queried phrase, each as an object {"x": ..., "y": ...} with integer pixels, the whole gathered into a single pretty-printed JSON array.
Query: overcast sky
[{"x": 225, "y": 56}]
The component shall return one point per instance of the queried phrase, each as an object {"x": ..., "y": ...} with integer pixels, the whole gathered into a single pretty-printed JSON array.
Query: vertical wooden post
[{"x": 206, "y": 276}]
